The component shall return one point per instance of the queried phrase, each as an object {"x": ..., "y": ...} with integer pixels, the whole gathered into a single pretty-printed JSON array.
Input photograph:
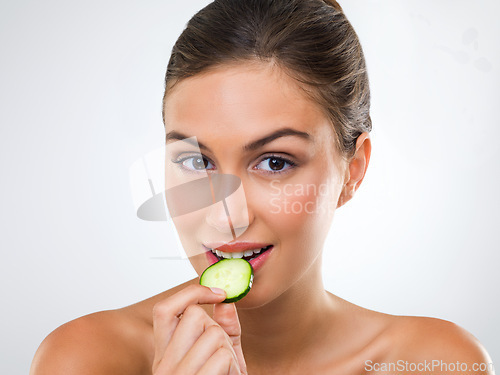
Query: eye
[
  {"x": 194, "y": 163},
  {"x": 275, "y": 164}
]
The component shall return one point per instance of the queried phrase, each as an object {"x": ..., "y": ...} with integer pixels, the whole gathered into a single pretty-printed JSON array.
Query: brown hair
[{"x": 312, "y": 40}]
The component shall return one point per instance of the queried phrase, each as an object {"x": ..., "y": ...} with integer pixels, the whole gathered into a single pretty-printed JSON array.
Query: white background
[{"x": 81, "y": 84}]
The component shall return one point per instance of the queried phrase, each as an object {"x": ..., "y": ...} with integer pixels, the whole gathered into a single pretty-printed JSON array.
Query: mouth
[{"x": 248, "y": 255}]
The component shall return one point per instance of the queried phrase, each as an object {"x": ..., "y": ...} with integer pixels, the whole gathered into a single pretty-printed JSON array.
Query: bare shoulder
[
  {"x": 107, "y": 342},
  {"x": 438, "y": 346}
]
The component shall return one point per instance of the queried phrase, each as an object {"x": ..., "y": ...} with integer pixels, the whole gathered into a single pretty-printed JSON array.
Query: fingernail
[{"x": 218, "y": 291}]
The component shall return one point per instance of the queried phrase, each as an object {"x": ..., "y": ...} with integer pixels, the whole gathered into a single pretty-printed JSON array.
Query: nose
[{"x": 229, "y": 215}]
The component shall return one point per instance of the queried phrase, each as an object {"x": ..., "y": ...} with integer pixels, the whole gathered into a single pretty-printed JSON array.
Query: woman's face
[{"x": 253, "y": 121}]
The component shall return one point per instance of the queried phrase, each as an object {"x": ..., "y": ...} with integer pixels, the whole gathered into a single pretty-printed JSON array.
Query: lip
[
  {"x": 259, "y": 261},
  {"x": 256, "y": 262},
  {"x": 212, "y": 259},
  {"x": 236, "y": 246}
]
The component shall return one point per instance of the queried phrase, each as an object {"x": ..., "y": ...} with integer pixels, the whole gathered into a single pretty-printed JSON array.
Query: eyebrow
[{"x": 175, "y": 135}]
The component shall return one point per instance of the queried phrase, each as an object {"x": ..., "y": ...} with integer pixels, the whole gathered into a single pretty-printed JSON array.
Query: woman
[{"x": 276, "y": 93}]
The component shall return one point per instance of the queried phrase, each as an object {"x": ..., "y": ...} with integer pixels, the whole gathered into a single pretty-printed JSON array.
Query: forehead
[{"x": 243, "y": 100}]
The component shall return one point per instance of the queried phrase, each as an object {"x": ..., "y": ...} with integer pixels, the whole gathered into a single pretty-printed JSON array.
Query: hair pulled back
[{"x": 312, "y": 40}]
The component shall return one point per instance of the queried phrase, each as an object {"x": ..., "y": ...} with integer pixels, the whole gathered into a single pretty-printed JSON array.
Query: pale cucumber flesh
[{"x": 234, "y": 275}]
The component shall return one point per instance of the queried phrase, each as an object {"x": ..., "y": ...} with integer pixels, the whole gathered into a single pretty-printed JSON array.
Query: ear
[{"x": 355, "y": 172}]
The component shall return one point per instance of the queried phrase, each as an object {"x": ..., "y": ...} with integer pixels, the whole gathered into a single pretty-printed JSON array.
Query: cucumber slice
[{"x": 234, "y": 275}]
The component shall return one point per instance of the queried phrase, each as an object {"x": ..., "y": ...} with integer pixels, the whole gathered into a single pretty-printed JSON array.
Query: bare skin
[
  {"x": 122, "y": 342},
  {"x": 288, "y": 323}
]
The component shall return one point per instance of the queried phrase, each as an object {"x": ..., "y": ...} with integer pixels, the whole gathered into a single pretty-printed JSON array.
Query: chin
[
  {"x": 251, "y": 302},
  {"x": 258, "y": 296}
]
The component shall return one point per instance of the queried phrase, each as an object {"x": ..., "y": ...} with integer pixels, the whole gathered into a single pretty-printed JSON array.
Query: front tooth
[
  {"x": 238, "y": 255},
  {"x": 248, "y": 253},
  {"x": 225, "y": 255},
  {"x": 218, "y": 252}
]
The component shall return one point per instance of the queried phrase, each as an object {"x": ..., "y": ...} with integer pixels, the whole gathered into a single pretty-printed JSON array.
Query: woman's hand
[{"x": 188, "y": 342}]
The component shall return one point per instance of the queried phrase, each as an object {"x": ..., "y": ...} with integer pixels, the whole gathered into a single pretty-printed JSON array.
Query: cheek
[
  {"x": 302, "y": 208},
  {"x": 291, "y": 210},
  {"x": 185, "y": 225},
  {"x": 188, "y": 229}
]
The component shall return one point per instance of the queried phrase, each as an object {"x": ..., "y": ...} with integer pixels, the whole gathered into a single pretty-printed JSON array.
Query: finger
[
  {"x": 205, "y": 347},
  {"x": 226, "y": 316},
  {"x": 195, "y": 321},
  {"x": 166, "y": 313},
  {"x": 221, "y": 363}
]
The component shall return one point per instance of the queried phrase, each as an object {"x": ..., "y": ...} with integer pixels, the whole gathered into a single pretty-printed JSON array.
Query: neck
[{"x": 290, "y": 323}]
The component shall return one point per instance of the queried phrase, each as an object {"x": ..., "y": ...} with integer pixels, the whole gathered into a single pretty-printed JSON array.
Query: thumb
[{"x": 226, "y": 316}]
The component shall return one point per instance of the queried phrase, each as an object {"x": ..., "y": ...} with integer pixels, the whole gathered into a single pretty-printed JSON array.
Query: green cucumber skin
[{"x": 239, "y": 296}]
